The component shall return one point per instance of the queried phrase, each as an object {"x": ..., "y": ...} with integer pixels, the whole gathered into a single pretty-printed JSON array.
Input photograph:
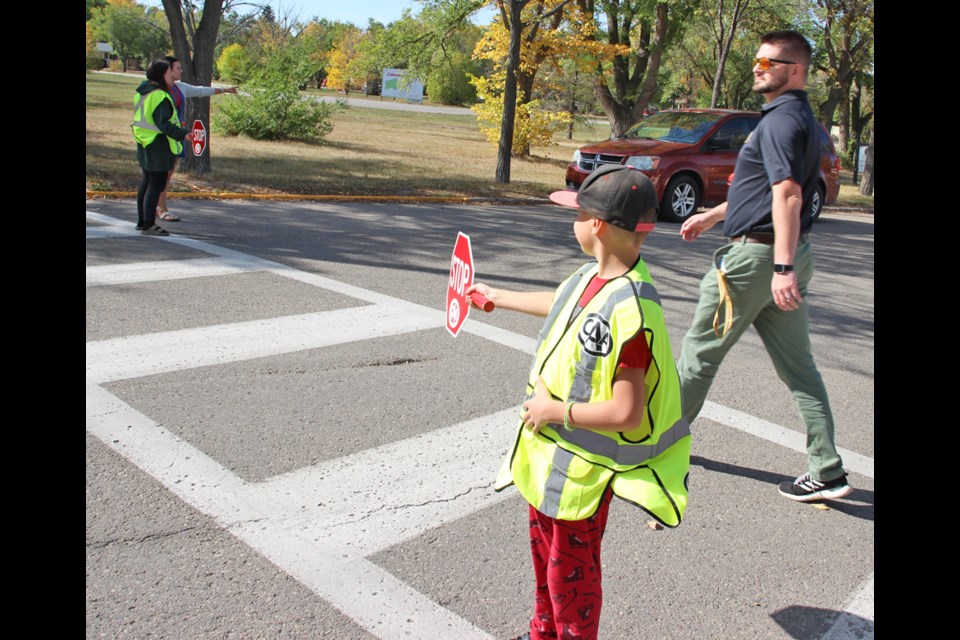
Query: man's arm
[
  {"x": 787, "y": 202},
  {"x": 695, "y": 225}
]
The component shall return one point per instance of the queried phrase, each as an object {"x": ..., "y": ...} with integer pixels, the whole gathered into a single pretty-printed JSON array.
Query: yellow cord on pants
[{"x": 725, "y": 304}]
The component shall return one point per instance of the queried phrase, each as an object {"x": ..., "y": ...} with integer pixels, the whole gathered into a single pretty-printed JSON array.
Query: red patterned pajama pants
[{"x": 566, "y": 564}]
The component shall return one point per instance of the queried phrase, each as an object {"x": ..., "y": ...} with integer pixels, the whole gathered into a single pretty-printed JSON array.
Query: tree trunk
[
  {"x": 573, "y": 103},
  {"x": 724, "y": 42},
  {"x": 846, "y": 46},
  {"x": 505, "y": 147},
  {"x": 195, "y": 50},
  {"x": 652, "y": 68},
  {"x": 856, "y": 123},
  {"x": 843, "y": 124},
  {"x": 718, "y": 80},
  {"x": 626, "y": 107},
  {"x": 866, "y": 182},
  {"x": 829, "y": 106}
]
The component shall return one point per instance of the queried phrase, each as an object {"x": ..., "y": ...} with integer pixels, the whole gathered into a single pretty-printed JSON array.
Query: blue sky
[{"x": 357, "y": 12}]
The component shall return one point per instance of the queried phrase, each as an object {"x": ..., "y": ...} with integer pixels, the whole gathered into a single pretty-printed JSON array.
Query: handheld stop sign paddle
[
  {"x": 461, "y": 277},
  {"x": 199, "y": 138}
]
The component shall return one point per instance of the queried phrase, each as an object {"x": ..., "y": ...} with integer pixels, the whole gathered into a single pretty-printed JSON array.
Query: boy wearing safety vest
[{"x": 601, "y": 416}]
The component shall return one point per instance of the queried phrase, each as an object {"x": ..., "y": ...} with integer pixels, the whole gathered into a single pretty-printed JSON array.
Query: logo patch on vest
[{"x": 595, "y": 335}]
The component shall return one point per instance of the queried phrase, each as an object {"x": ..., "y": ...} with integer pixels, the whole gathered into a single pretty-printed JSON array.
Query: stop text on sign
[{"x": 459, "y": 275}]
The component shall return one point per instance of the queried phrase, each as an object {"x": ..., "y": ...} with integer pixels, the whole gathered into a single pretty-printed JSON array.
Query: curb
[
  {"x": 209, "y": 195},
  {"x": 833, "y": 209},
  {"x": 91, "y": 195}
]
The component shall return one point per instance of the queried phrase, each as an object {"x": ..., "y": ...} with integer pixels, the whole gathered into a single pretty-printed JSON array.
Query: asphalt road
[{"x": 283, "y": 441}]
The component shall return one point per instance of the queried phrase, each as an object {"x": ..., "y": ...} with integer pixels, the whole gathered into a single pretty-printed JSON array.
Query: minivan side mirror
[{"x": 719, "y": 142}]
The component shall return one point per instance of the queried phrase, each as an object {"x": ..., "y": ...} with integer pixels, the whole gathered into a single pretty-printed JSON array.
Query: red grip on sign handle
[{"x": 481, "y": 301}]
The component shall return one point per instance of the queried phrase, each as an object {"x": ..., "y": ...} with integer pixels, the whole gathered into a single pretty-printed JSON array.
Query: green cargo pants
[{"x": 748, "y": 268}]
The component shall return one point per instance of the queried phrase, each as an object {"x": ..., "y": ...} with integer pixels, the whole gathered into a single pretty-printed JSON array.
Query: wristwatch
[{"x": 782, "y": 268}]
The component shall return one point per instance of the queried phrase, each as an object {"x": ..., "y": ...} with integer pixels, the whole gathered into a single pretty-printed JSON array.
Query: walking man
[{"x": 760, "y": 277}]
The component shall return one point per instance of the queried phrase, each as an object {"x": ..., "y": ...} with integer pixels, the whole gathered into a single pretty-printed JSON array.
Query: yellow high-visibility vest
[
  {"x": 144, "y": 129},
  {"x": 564, "y": 474}
]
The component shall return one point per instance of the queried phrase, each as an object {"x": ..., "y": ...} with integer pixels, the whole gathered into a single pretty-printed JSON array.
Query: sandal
[
  {"x": 155, "y": 231},
  {"x": 166, "y": 216}
]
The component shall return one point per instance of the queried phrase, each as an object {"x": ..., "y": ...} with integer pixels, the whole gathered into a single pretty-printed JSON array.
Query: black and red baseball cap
[{"x": 616, "y": 193}]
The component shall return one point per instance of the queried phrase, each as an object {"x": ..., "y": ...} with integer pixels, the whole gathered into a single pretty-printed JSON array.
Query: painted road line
[
  {"x": 100, "y": 233},
  {"x": 376, "y": 498},
  {"x": 135, "y": 356},
  {"x": 105, "y": 275},
  {"x": 856, "y": 620},
  {"x": 372, "y": 597},
  {"x": 777, "y": 434}
]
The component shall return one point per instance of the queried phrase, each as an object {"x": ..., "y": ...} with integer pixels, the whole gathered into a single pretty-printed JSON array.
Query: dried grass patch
[{"x": 370, "y": 152}]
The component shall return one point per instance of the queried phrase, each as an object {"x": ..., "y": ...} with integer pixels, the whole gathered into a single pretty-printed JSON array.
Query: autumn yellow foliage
[
  {"x": 552, "y": 43},
  {"x": 340, "y": 73},
  {"x": 533, "y": 126}
]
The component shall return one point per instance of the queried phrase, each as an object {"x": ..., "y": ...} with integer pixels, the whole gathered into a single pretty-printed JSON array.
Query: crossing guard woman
[{"x": 159, "y": 139}]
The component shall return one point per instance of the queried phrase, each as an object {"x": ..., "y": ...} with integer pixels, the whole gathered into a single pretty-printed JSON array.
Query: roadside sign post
[{"x": 199, "y": 138}]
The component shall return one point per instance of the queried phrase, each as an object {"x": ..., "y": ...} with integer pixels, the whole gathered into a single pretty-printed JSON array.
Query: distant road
[
  {"x": 389, "y": 103},
  {"x": 384, "y": 103}
]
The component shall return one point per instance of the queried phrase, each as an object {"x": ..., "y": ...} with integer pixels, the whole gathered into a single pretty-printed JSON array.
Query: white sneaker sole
[{"x": 823, "y": 494}]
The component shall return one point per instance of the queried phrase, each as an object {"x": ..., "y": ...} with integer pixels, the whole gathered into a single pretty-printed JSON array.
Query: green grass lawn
[{"x": 370, "y": 152}]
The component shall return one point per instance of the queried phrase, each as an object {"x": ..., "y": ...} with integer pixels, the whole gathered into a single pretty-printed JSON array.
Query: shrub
[
  {"x": 450, "y": 83},
  {"x": 271, "y": 114},
  {"x": 94, "y": 60},
  {"x": 273, "y": 108}
]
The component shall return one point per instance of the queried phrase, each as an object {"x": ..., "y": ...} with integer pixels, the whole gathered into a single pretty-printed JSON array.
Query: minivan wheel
[
  {"x": 818, "y": 197},
  {"x": 680, "y": 200}
]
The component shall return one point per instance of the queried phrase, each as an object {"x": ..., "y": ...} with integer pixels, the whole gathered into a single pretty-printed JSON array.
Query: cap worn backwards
[{"x": 616, "y": 193}]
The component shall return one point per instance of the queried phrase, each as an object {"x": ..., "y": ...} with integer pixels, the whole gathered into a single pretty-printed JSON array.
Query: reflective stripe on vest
[
  {"x": 553, "y": 488},
  {"x": 625, "y": 454},
  {"x": 144, "y": 130},
  {"x": 143, "y": 123}
]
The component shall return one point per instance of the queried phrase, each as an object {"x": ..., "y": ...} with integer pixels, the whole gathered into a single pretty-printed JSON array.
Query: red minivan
[{"x": 689, "y": 154}]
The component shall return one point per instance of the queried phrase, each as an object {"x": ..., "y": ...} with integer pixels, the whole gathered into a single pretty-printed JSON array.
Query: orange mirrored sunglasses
[{"x": 764, "y": 63}]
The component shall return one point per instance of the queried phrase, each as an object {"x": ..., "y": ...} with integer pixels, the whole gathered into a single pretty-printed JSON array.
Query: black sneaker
[
  {"x": 140, "y": 227},
  {"x": 806, "y": 489}
]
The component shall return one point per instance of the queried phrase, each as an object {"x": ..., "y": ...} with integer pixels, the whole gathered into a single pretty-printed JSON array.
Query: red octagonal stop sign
[
  {"x": 461, "y": 277},
  {"x": 199, "y": 138}
]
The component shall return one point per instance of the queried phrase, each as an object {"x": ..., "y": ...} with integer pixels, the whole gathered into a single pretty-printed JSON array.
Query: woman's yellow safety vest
[
  {"x": 144, "y": 128},
  {"x": 564, "y": 474}
]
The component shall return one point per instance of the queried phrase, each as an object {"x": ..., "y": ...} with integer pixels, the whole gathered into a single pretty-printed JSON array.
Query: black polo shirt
[{"x": 784, "y": 145}]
